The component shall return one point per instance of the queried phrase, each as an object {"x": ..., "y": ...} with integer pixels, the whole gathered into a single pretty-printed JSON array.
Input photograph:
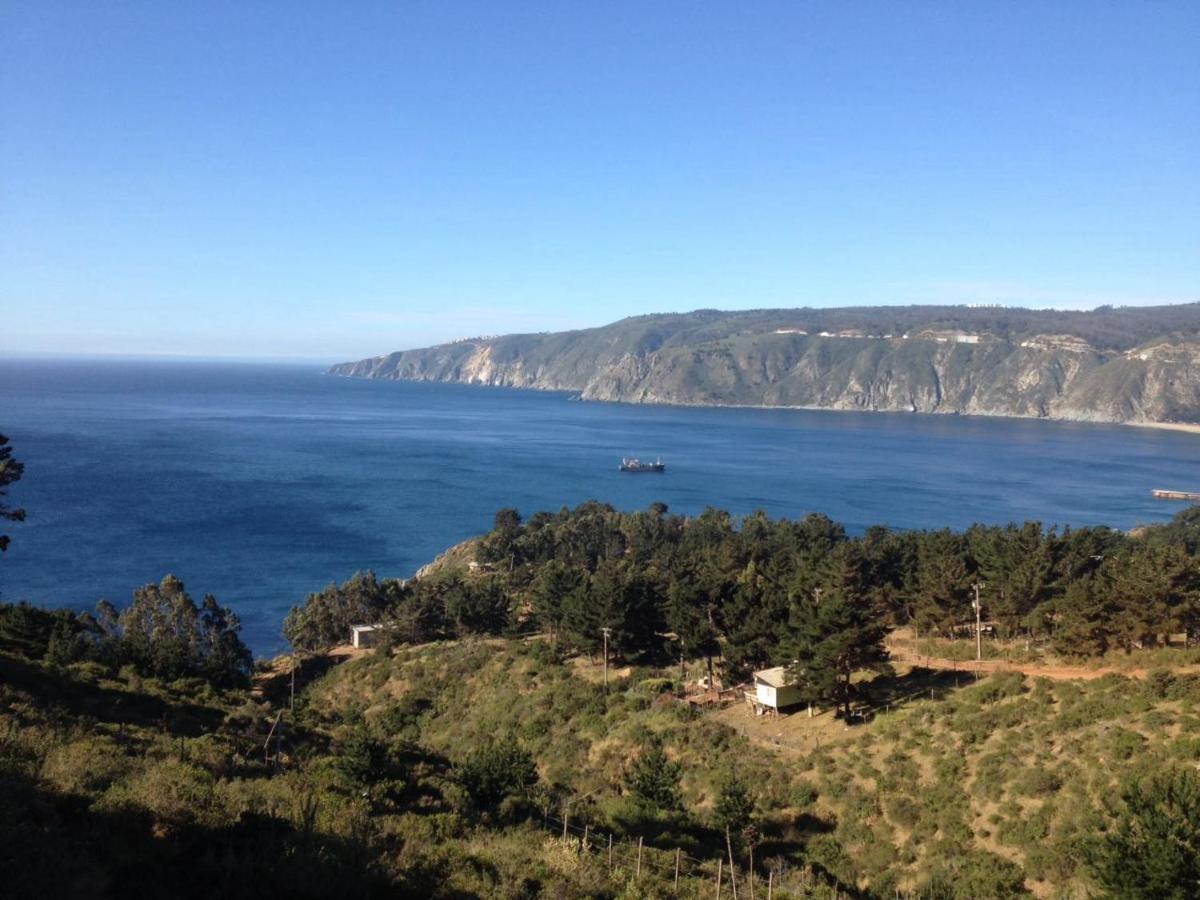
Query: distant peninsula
[{"x": 1136, "y": 365}]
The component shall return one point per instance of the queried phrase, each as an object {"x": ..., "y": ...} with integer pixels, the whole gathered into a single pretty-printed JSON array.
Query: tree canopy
[{"x": 10, "y": 472}]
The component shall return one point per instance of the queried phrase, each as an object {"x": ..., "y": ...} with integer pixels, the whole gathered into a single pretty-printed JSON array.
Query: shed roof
[{"x": 776, "y": 677}]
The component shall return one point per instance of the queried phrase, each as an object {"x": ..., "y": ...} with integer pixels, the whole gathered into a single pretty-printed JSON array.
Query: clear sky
[{"x": 338, "y": 180}]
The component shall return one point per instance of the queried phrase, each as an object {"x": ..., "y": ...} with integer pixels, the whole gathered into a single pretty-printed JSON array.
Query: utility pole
[
  {"x": 605, "y": 630},
  {"x": 978, "y": 623}
]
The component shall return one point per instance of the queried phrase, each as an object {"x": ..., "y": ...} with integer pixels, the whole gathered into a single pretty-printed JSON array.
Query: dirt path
[{"x": 1062, "y": 673}]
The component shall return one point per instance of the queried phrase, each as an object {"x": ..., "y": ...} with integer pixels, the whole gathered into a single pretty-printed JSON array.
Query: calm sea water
[{"x": 260, "y": 483}]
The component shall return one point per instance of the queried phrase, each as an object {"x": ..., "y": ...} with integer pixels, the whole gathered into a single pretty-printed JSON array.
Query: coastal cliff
[{"x": 1137, "y": 365}]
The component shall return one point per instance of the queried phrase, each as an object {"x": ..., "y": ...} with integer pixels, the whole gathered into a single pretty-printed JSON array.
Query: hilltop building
[{"x": 772, "y": 692}]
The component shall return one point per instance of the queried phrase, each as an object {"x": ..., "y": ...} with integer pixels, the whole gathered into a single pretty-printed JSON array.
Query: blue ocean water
[{"x": 261, "y": 483}]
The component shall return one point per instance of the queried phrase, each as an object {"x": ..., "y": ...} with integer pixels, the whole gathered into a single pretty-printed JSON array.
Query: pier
[{"x": 1176, "y": 495}]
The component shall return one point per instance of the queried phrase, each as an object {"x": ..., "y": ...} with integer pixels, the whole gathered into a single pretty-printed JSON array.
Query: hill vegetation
[
  {"x": 1108, "y": 364},
  {"x": 447, "y": 769},
  {"x": 761, "y": 592}
]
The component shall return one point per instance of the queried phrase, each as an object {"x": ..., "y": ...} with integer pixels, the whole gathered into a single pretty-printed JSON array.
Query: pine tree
[
  {"x": 734, "y": 806},
  {"x": 690, "y": 615},
  {"x": 552, "y": 591},
  {"x": 10, "y": 472},
  {"x": 830, "y": 636},
  {"x": 941, "y": 594},
  {"x": 1152, "y": 850},
  {"x": 653, "y": 779}
]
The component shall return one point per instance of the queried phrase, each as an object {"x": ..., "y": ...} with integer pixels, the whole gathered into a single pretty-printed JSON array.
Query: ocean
[{"x": 261, "y": 483}]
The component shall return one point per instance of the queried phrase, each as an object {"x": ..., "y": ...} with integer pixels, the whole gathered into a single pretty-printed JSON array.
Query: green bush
[
  {"x": 497, "y": 771},
  {"x": 1151, "y": 848}
]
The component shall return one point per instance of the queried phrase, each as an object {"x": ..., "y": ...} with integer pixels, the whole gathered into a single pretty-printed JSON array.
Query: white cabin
[
  {"x": 364, "y": 636},
  {"x": 771, "y": 690}
]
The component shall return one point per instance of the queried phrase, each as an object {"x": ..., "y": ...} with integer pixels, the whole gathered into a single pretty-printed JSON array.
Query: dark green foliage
[
  {"x": 1017, "y": 566},
  {"x": 710, "y": 587},
  {"x": 478, "y": 606},
  {"x": 67, "y": 642},
  {"x": 26, "y": 629},
  {"x": 1152, "y": 848},
  {"x": 1160, "y": 682},
  {"x": 691, "y": 615},
  {"x": 497, "y": 771},
  {"x": 972, "y": 875},
  {"x": 831, "y": 636},
  {"x": 10, "y": 472},
  {"x": 653, "y": 779},
  {"x": 734, "y": 807},
  {"x": 362, "y": 759},
  {"x": 499, "y": 547},
  {"x": 163, "y": 634},
  {"x": 325, "y": 618},
  {"x": 554, "y": 590}
]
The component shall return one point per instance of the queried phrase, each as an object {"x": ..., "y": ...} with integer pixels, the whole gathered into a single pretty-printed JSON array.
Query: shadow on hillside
[
  {"x": 104, "y": 704},
  {"x": 897, "y": 691},
  {"x": 54, "y": 845}
]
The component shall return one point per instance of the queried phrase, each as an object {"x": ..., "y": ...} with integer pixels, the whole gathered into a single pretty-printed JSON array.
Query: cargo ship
[{"x": 632, "y": 464}]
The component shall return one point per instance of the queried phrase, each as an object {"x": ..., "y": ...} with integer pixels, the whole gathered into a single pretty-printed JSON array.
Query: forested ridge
[{"x": 760, "y": 591}]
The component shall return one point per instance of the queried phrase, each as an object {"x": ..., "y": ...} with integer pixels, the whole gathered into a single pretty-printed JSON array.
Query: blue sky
[{"x": 339, "y": 180}]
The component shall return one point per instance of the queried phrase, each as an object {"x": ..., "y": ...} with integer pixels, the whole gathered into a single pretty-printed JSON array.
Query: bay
[{"x": 262, "y": 482}]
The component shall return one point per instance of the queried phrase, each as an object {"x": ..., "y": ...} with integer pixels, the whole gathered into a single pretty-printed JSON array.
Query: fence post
[
  {"x": 566, "y": 816},
  {"x": 732, "y": 871},
  {"x": 770, "y": 882},
  {"x": 677, "y": 870},
  {"x": 638, "y": 871},
  {"x": 751, "y": 873},
  {"x": 720, "y": 862},
  {"x": 584, "y": 845},
  {"x": 610, "y": 851}
]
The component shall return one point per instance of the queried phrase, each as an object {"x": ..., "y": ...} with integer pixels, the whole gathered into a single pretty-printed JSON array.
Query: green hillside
[{"x": 118, "y": 784}]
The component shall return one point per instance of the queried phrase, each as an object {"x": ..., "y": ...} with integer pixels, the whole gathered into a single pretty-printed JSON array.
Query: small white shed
[
  {"x": 771, "y": 690},
  {"x": 364, "y": 636}
]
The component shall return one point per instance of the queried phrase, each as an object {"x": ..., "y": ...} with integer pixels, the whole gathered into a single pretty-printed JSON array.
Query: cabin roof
[{"x": 776, "y": 677}]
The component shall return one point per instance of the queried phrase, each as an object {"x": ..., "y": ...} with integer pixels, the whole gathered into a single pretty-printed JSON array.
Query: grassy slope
[
  {"x": 117, "y": 784},
  {"x": 1006, "y": 769}
]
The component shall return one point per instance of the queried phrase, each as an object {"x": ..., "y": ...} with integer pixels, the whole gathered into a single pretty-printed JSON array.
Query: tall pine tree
[{"x": 831, "y": 636}]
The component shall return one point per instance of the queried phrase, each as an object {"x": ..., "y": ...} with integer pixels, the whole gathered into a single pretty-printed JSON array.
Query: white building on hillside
[
  {"x": 364, "y": 636},
  {"x": 772, "y": 692}
]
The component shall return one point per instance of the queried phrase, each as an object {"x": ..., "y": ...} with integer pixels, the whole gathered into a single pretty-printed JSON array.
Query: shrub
[
  {"x": 804, "y": 794},
  {"x": 497, "y": 770},
  {"x": 1037, "y": 781},
  {"x": 904, "y": 811},
  {"x": 1124, "y": 744},
  {"x": 654, "y": 779},
  {"x": 1152, "y": 848},
  {"x": 1159, "y": 683},
  {"x": 973, "y": 875}
]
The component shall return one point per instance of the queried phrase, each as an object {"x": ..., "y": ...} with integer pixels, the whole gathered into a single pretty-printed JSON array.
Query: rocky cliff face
[{"x": 710, "y": 361}]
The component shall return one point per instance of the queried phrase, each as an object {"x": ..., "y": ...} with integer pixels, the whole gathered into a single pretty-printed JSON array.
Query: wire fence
[{"x": 726, "y": 871}]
